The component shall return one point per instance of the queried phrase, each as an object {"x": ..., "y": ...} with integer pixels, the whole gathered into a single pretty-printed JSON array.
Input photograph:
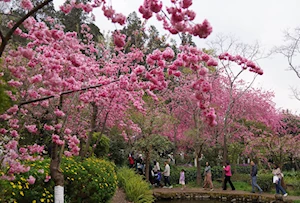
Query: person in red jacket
[
  {"x": 228, "y": 175},
  {"x": 131, "y": 161}
]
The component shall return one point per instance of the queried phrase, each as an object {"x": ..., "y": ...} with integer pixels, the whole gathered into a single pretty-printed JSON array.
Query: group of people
[{"x": 157, "y": 175}]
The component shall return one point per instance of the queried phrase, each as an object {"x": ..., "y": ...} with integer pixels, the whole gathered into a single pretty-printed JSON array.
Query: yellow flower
[
  {"x": 44, "y": 194},
  {"x": 20, "y": 187},
  {"x": 33, "y": 201},
  {"x": 22, "y": 193},
  {"x": 42, "y": 200},
  {"x": 13, "y": 193}
]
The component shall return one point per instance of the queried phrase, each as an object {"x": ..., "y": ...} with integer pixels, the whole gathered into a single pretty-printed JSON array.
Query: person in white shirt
[{"x": 167, "y": 175}]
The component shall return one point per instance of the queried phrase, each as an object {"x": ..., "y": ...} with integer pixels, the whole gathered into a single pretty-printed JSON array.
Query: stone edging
[{"x": 232, "y": 197}]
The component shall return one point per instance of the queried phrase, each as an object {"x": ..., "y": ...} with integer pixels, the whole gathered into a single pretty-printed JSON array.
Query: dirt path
[{"x": 119, "y": 197}]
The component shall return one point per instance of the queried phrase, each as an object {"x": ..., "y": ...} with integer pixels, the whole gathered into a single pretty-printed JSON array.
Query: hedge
[{"x": 91, "y": 180}]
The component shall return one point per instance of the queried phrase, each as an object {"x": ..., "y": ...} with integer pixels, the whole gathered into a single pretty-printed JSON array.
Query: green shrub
[
  {"x": 265, "y": 181},
  {"x": 137, "y": 190},
  {"x": 92, "y": 180}
]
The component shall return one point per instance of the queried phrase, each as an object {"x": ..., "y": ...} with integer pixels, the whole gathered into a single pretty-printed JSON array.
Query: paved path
[{"x": 218, "y": 191}]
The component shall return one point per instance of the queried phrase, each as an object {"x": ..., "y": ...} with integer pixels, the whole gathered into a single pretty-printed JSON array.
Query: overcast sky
[{"x": 249, "y": 21}]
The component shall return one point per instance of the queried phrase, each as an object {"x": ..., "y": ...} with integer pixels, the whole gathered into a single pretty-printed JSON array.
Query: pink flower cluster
[
  {"x": 26, "y": 4},
  {"x": 56, "y": 139},
  {"x": 180, "y": 17},
  {"x": 243, "y": 62},
  {"x": 119, "y": 39},
  {"x": 73, "y": 142},
  {"x": 110, "y": 13}
]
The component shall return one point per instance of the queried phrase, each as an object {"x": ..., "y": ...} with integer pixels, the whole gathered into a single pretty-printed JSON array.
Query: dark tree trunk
[
  {"x": 199, "y": 177},
  {"x": 56, "y": 173},
  {"x": 93, "y": 129}
]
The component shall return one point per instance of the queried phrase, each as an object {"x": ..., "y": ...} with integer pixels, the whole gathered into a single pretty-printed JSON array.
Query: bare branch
[{"x": 64, "y": 93}]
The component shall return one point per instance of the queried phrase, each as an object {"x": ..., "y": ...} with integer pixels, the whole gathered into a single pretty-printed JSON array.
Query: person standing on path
[
  {"x": 182, "y": 179},
  {"x": 207, "y": 177},
  {"x": 228, "y": 175},
  {"x": 166, "y": 173},
  {"x": 253, "y": 175}
]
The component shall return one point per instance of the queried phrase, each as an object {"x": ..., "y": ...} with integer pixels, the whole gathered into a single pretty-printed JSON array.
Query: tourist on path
[
  {"x": 228, "y": 175},
  {"x": 167, "y": 175},
  {"x": 182, "y": 179},
  {"x": 277, "y": 179},
  {"x": 207, "y": 177},
  {"x": 253, "y": 175}
]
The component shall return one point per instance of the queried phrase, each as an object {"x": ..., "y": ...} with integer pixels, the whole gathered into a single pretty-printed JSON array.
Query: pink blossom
[
  {"x": 3, "y": 131},
  {"x": 31, "y": 128},
  {"x": 59, "y": 113},
  {"x": 31, "y": 180},
  {"x": 68, "y": 131},
  {"x": 67, "y": 153},
  {"x": 156, "y": 6},
  {"x": 119, "y": 18},
  {"x": 5, "y": 116},
  {"x": 26, "y": 4},
  {"x": 11, "y": 145},
  {"x": 13, "y": 109},
  {"x": 36, "y": 78},
  {"x": 48, "y": 127},
  {"x": 66, "y": 8},
  {"x": 108, "y": 11},
  {"x": 14, "y": 133},
  {"x": 146, "y": 13},
  {"x": 47, "y": 178},
  {"x": 14, "y": 83},
  {"x": 22, "y": 150},
  {"x": 186, "y": 3},
  {"x": 119, "y": 39},
  {"x": 58, "y": 126},
  {"x": 56, "y": 139},
  {"x": 35, "y": 149},
  {"x": 168, "y": 53},
  {"x": 41, "y": 171}
]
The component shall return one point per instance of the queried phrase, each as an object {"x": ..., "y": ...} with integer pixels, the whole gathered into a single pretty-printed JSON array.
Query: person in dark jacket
[{"x": 253, "y": 175}]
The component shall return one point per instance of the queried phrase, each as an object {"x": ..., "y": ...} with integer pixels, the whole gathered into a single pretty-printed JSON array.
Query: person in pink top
[{"x": 228, "y": 175}]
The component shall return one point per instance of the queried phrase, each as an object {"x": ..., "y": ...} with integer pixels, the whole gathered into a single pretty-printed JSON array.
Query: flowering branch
[{"x": 7, "y": 37}]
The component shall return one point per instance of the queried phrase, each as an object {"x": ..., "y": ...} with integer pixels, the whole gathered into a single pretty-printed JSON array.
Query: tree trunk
[
  {"x": 199, "y": 177},
  {"x": 57, "y": 175},
  {"x": 147, "y": 165},
  {"x": 93, "y": 128}
]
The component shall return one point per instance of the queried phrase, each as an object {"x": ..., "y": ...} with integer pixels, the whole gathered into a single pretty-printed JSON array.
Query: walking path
[{"x": 196, "y": 192}]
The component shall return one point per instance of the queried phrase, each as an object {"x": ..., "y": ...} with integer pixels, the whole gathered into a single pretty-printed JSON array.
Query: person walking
[
  {"x": 277, "y": 179},
  {"x": 182, "y": 179},
  {"x": 207, "y": 177},
  {"x": 253, "y": 175},
  {"x": 228, "y": 175},
  {"x": 167, "y": 173}
]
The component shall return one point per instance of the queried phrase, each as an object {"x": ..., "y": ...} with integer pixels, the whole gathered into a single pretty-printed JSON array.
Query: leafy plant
[
  {"x": 137, "y": 190},
  {"x": 91, "y": 180}
]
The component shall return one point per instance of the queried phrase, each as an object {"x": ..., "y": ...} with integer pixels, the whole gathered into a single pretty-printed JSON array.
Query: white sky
[{"x": 249, "y": 21}]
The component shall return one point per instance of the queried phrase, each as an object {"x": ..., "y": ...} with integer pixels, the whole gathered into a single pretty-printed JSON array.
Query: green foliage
[
  {"x": 102, "y": 149},
  {"x": 118, "y": 147},
  {"x": 156, "y": 144},
  {"x": 241, "y": 185},
  {"x": 265, "y": 181},
  {"x": 92, "y": 180},
  {"x": 137, "y": 190}
]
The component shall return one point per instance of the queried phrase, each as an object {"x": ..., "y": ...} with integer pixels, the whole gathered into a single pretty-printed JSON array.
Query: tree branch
[
  {"x": 64, "y": 93},
  {"x": 13, "y": 29}
]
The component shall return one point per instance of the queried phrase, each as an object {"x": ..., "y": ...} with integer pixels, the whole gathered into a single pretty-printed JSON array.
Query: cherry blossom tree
[{"x": 59, "y": 75}]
